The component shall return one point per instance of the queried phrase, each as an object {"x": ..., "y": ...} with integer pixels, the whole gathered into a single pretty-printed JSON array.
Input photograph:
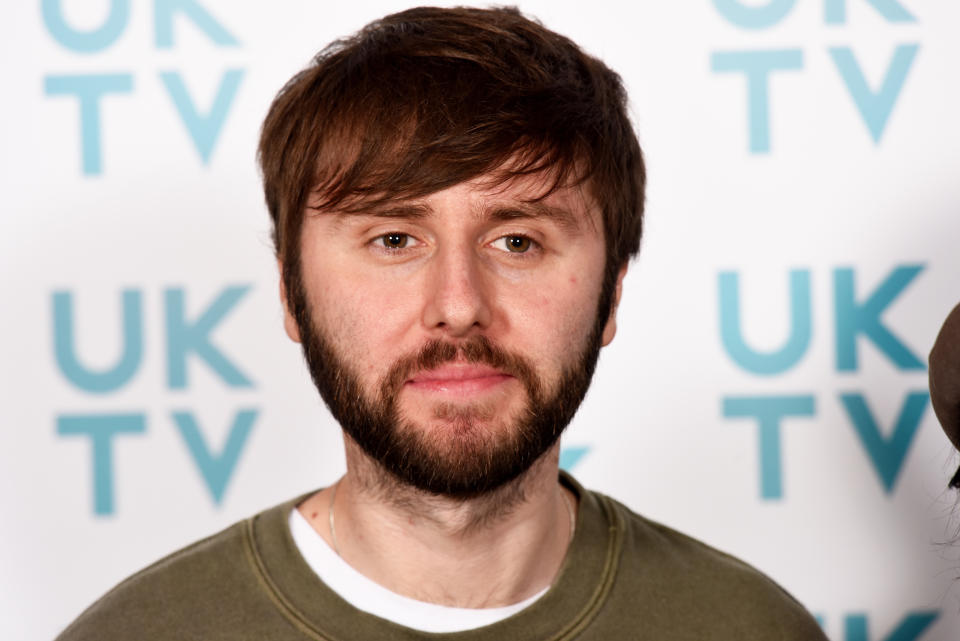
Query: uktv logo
[
  {"x": 189, "y": 338},
  {"x": 874, "y": 99},
  {"x": 858, "y": 321},
  {"x": 91, "y": 90}
]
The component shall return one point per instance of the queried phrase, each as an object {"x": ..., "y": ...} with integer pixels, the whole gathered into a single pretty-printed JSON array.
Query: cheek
[
  {"x": 553, "y": 325},
  {"x": 365, "y": 319},
  {"x": 575, "y": 314}
]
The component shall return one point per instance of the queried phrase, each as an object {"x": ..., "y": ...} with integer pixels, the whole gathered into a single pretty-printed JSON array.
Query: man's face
[{"x": 454, "y": 336}]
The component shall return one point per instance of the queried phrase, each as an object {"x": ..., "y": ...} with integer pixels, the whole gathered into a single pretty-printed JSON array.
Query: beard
[{"x": 468, "y": 457}]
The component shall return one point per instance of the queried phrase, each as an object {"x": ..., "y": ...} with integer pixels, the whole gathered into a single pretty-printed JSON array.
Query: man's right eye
[{"x": 394, "y": 240}]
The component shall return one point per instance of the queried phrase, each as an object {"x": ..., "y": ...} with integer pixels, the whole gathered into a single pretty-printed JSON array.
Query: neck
[{"x": 488, "y": 551}]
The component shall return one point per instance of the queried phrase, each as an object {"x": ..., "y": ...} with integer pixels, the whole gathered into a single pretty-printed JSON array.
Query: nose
[{"x": 458, "y": 293}]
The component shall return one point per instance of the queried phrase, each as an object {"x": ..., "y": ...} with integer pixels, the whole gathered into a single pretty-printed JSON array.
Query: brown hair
[{"x": 427, "y": 98}]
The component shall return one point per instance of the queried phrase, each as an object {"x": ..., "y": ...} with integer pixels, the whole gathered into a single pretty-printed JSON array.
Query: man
[{"x": 455, "y": 196}]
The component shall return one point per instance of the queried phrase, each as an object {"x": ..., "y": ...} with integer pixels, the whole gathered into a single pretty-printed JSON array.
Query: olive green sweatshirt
[{"x": 624, "y": 577}]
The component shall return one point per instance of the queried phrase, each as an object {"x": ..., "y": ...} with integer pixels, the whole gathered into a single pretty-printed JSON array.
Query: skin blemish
[
  {"x": 573, "y": 280},
  {"x": 313, "y": 515}
]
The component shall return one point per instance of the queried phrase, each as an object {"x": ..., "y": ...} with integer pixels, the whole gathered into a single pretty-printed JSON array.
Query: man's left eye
[{"x": 514, "y": 244}]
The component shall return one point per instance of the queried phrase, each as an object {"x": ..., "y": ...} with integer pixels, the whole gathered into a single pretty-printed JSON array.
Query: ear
[
  {"x": 610, "y": 329},
  {"x": 289, "y": 322}
]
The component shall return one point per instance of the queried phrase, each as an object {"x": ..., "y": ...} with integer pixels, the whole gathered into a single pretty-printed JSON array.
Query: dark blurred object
[{"x": 945, "y": 380}]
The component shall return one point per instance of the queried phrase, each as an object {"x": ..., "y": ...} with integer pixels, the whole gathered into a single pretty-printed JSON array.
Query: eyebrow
[
  {"x": 392, "y": 211},
  {"x": 563, "y": 218},
  {"x": 400, "y": 212},
  {"x": 414, "y": 211}
]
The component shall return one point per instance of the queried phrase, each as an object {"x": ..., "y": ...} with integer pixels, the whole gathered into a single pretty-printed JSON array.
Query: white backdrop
[{"x": 766, "y": 391}]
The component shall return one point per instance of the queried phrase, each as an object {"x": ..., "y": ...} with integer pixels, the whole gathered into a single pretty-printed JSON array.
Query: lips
[{"x": 458, "y": 379}]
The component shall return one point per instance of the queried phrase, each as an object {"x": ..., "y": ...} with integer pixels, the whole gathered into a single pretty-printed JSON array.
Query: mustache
[{"x": 477, "y": 349}]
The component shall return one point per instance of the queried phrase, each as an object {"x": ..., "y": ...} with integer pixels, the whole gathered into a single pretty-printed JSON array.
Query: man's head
[
  {"x": 454, "y": 193},
  {"x": 944, "y": 372}
]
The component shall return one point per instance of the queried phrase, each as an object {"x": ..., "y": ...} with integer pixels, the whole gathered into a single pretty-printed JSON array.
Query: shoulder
[
  {"x": 189, "y": 594},
  {"x": 701, "y": 586}
]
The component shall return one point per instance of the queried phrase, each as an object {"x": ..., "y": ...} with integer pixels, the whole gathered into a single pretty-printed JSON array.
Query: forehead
[
  {"x": 494, "y": 195},
  {"x": 531, "y": 195},
  {"x": 540, "y": 187}
]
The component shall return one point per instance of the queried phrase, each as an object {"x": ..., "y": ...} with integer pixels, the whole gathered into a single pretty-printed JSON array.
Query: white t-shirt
[{"x": 366, "y": 595}]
